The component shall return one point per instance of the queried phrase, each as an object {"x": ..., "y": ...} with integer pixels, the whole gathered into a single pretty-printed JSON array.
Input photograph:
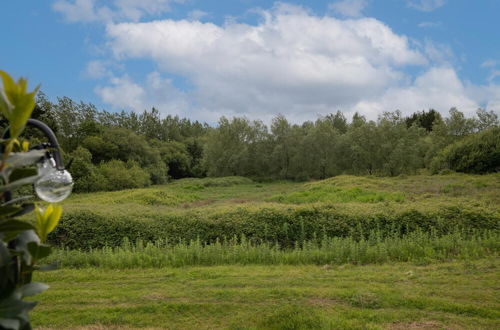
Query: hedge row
[{"x": 84, "y": 229}]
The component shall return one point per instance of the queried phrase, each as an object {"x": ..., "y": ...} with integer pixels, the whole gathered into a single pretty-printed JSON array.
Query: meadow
[{"x": 346, "y": 252}]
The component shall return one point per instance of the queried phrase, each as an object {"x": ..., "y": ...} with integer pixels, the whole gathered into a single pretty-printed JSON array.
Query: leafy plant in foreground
[{"x": 21, "y": 243}]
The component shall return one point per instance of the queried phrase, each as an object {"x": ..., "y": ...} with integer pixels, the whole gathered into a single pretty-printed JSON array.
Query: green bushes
[
  {"x": 479, "y": 153},
  {"x": 107, "y": 176},
  {"x": 415, "y": 247},
  {"x": 285, "y": 226},
  {"x": 120, "y": 175}
]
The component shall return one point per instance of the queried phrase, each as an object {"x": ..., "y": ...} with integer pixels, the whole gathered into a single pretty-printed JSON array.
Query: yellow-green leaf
[
  {"x": 47, "y": 220},
  {"x": 21, "y": 103},
  {"x": 54, "y": 218}
]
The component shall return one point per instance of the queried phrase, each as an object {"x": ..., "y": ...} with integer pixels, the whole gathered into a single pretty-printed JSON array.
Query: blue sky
[{"x": 204, "y": 59}]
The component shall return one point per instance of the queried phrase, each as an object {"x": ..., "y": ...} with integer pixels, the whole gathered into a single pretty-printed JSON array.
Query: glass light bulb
[{"x": 54, "y": 185}]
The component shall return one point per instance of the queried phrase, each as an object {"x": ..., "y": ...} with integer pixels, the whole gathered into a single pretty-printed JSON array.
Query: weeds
[{"x": 416, "y": 247}]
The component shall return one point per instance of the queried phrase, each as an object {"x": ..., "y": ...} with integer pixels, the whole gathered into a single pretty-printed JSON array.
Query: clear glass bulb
[{"x": 54, "y": 185}]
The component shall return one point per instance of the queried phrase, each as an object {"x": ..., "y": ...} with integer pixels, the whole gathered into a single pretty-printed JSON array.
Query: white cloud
[
  {"x": 349, "y": 8},
  {"x": 97, "y": 69},
  {"x": 292, "y": 62},
  {"x": 438, "y": 53},
  {"x": 438, "y": 88},
  {"x": 488, "y": 96},
  {"x": 123, "y": 93},
  {"x": 109, "y": 11},
  {"x": 425, "y": 5}
]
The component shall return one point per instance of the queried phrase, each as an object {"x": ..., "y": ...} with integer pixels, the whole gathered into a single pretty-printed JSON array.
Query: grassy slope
[
  {"x": 347, "y": 193},
  {"x": 395, "y": 296}
]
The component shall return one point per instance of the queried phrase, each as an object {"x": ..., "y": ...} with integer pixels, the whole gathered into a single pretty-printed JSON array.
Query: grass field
[
  {"x": 429, "y": 277},
  {"x": 350, "y": 193},
  {"x": 450, "y": 295}
]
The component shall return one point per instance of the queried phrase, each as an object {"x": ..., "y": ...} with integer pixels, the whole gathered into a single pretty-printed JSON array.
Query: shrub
[
  {"x": 119, "y": 175},
  {"x": 285, "y": 226},
  {"x": 479, "y": 153}
]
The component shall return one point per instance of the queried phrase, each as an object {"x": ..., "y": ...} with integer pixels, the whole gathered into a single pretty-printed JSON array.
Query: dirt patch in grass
[
  {"x": 201, "y": 203},
  {"x": 240, "y": 201}
]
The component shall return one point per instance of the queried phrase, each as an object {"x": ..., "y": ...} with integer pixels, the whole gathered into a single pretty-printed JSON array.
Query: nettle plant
[{"x": 22, "y": 243}]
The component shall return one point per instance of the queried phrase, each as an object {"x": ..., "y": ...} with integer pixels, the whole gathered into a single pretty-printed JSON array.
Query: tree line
[{"x": 118, "y": 150}]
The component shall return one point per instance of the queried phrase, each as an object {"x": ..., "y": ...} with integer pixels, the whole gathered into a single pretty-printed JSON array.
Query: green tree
[{"x": 477, "y": 153}]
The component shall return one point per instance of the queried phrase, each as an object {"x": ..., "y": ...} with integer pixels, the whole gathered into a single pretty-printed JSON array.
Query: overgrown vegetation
[
  {"x": 285, "y": 213},
  {"x": 375, "y": 249}
]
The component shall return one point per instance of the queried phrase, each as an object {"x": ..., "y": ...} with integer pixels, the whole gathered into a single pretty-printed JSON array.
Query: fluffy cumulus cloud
[
  {"x": 437, "y": 88},
  {"x": 109, "y": 11},
  {"x": 292, "y": 62},
  {"x": 124, "y": 93}
]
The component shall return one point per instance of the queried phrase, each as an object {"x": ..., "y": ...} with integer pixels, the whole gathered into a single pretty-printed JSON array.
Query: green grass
[
  {"x": 349, "y": 193},
  {"x": 332, "y": 194},
  {"x": 353, "y": 253},
  {"x": 451, "y": 295}
]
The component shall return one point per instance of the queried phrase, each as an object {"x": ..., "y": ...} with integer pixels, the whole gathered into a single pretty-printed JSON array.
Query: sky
[{"x": 204, "y": 59}]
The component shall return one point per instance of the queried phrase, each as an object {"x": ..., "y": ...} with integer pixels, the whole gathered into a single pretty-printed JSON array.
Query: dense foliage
[
  {"x": 151, "y": 149},
  {"x": 284, "y": 226},
  {"x": 478, "y": 153}
]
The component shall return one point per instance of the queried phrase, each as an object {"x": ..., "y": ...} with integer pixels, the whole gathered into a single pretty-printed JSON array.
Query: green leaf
[
  {"x": 39, "y": 251},
  {"x": 22, "y": 103},
  {"x": 10, "y": 308},
  {"x": 19, "y": 183},
  {"x": 21, "y": 173},
  {"x": 17, "y": 200},
  {"x": 19, "y": 159},
  {"x": 15, "y": 225},
  {"x": 9, "y": 87},
  {"x": 53, "y": 219},
  {"x": 25, "y": 238},
  {"x": 8, "y": 210},
  {"x": 25, "y": 208},
  {"x": 5, "y": 257},
  {"x": 32, "y": 289}
]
